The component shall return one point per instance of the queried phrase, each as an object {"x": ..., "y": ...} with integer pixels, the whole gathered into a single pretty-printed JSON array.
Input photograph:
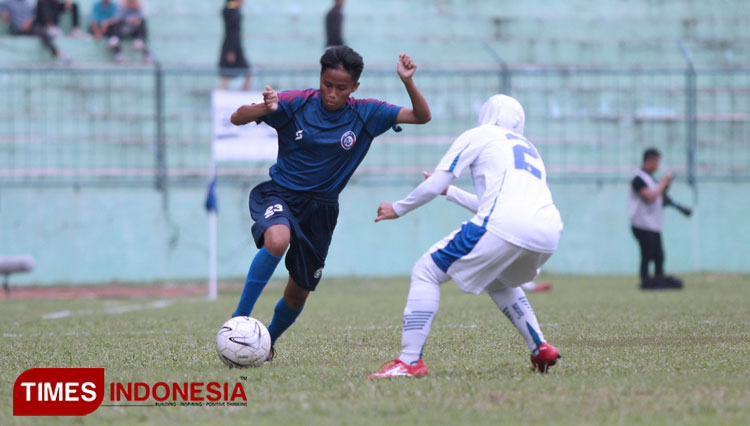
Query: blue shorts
[{"x": 311, "y": 219}]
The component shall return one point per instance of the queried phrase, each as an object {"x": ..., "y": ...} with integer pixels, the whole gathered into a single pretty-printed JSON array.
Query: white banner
[{"x": 251, "y": 142}]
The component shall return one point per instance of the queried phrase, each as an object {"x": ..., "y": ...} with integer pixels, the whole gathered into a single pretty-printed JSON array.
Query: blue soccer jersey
[{"x": 319, "y": 150}]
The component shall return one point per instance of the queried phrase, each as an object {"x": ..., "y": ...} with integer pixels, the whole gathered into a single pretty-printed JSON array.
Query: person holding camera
[{"x": 646, "y": 210}]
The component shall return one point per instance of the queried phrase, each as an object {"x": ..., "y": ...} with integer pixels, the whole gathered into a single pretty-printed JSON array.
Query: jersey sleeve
[
  {"x": 379, "y": 116},
  {"x": 289, "y": 102},
  {"x": 463, "y": 198},
  {"x": 462, "y": 153},
  {"x": 638, "y": 184},
  {"x": 424, "y": 193}
]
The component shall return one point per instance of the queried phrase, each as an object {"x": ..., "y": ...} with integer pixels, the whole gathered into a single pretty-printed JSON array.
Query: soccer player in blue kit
[{"x": 323, "y": 136}]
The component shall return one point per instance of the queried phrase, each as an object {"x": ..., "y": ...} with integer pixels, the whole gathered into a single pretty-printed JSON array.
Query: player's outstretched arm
[
  {"x": 463, "y": 198},
  {"x": 249, "y": 113},
  {"x": 419, "y": 113},
  {"x": 422, "y": 194},
  {"x": 385, "y": 212},
  {"x": 457, "y": 195}
]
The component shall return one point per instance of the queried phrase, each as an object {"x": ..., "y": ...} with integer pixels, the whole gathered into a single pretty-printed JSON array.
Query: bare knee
[
  {"x": 294, "y": 295},
  {"x": 276, "y": 239}
]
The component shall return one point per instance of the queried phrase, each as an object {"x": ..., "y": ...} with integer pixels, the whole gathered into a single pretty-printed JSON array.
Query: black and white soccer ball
[{"x": 243, "y": 342}]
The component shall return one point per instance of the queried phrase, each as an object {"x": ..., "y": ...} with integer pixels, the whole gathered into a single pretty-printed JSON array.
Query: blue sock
[
  {"x": 260, "y": 272},
  {"x": 283, "y": 317}
]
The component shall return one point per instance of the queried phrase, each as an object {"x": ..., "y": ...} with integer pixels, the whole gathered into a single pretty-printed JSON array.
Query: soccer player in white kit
[{"x": 515, "y": 230}]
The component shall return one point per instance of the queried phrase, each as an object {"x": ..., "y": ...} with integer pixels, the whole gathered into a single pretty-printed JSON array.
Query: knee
[
  {"x": 425, "y": 270},
  {"x": 276, "y": 240}
]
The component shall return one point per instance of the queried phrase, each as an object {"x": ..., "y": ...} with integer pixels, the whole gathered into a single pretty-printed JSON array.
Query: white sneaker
[
  {"x": 113, "y": 41},
  {"x": 138, "y": 44}
]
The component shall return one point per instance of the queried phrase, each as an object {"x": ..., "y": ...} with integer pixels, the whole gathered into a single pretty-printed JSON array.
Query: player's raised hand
[
  {"x": 271, "y": 99},
  {"x": 427, "y": 176},
  {"x": 405, "y": 67},
  {"x": 385, "y": 211}
]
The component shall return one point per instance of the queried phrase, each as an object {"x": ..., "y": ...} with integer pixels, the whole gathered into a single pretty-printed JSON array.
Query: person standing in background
[
  {"x": 646, "y": 210},
  {"x": 334, "y": 23},
  {"x": 232, "y": 62}
]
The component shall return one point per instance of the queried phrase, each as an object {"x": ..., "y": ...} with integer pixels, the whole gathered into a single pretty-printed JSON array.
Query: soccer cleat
[
  {"x": 547, "y": 356},
  {"x": 397, "y": 368},
  {"x": 540, "y": 287},
  {"x": 271, "y": 354}
]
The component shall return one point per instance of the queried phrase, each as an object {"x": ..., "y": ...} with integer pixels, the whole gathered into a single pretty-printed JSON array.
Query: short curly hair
[{"x": 342, "y": 57}]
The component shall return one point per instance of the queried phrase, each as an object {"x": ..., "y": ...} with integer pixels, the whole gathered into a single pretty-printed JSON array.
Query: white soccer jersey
[{"x": 511, "y": 185}]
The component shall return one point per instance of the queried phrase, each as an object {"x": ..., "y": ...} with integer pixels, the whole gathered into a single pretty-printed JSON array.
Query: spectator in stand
[
  {"x": 232, "y": 62},
  {"x": 19, "y": 16},
  {"x": 131, "y": 24},
  {"x": 334, "y": 23},
  {"x": 48, "y": 16},
  {"x": 103, "y": 19}
]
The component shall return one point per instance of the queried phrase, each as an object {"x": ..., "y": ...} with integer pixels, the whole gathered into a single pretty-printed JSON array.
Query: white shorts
[{"x": 475, "y": 259}]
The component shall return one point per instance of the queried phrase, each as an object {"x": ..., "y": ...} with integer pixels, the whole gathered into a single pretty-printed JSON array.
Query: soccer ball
[{"x": 243, "y": 342}]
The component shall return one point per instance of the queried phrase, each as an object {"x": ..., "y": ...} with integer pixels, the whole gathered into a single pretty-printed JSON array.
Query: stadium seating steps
[{"x": 439, "y": 32}]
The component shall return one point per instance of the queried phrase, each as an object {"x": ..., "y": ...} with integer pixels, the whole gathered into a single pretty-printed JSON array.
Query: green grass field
[{"x": 629, "y": 357}]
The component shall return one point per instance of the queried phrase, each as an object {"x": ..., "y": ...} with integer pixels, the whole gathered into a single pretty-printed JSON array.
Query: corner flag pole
[{"x": 212, "y": 207}]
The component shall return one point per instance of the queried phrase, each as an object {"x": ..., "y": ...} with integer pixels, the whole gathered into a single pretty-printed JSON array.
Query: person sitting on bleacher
[
  {"x": 19, "y": 15},
  {"x": 131, "y": 24},
  {"x": 103, "y": 19},
  {"x": 48, "y": 16}
]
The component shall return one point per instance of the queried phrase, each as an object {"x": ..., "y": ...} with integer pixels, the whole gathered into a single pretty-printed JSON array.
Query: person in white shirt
[
  {"x": 515, "y": 229},
  {"x": 646, "y": 200}
]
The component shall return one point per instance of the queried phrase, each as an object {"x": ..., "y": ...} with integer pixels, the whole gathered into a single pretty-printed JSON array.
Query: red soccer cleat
[
  {"x": 546, "y": 357},
  {"x": 397, "y": 368},
  {"x": 540, "y": 287}
]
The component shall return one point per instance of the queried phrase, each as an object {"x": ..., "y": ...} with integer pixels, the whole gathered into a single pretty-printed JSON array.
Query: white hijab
[{"x": 503, "y": 111}]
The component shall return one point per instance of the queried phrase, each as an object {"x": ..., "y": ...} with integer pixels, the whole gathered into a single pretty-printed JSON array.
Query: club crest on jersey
[{"x": 348, "y": 139}]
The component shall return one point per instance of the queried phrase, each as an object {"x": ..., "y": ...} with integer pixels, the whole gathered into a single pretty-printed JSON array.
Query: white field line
[
  {"x": 115, "y": 310},
  {"x": 398, "y": 326},
  {"x": 81, "y": 334},
  {"x": 56, "y": 315},
  {"x": 139, "y": 307}
]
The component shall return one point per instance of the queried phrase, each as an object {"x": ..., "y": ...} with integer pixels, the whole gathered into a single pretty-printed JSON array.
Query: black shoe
[
  {"x": 650, "y": 284},
  {"x": 667, "y": 282},
  {"x": 671, "y": 282}
]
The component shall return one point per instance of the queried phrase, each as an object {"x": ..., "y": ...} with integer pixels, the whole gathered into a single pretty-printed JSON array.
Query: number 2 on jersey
[{"x": 519, "y": 155}]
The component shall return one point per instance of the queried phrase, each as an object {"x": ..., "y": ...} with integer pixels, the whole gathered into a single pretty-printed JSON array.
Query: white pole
[
  {"x": 212, "y": 284},
  {"x": 212, "y": 274}
]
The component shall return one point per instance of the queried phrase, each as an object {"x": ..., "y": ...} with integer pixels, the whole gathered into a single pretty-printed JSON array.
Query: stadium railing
[{"x": 152, "y": 125}]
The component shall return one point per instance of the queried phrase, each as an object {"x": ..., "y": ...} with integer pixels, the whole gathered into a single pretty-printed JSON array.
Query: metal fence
[{"x": 152, "y": 126}]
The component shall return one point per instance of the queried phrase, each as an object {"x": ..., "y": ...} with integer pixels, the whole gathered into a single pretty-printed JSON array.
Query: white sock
[
  {"x": 421, "y": 306},
  {"x": 513, "y": 303},
  {"x": 529, "y": 286}
]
